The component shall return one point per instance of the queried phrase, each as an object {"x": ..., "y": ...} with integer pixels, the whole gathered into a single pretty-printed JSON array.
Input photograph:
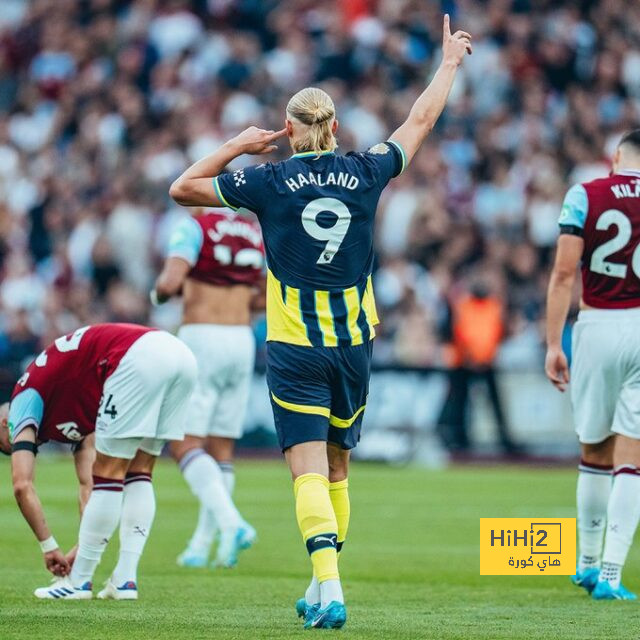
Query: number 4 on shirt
[{"x": 108, "y": 408}]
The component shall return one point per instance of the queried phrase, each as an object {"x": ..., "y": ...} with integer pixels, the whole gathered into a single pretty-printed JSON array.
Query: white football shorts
[
  {"x": 225, "y": 356},
  {"x": 144, "y": 400},
  {"x": 605, "y": 374}
]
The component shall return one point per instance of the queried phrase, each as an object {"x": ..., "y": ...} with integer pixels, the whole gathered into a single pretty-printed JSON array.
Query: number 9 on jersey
[{"x": 335, "y": 234}]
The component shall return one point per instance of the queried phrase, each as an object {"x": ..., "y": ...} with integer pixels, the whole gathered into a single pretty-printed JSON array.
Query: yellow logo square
[{"x": 527, "y": 546}]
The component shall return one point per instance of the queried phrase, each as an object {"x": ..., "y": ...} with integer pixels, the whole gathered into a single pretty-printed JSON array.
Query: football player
[
  {"x": 317, "y": 212},
  {"x": 216, "y": 261},
  {"x": 600, "y": 230},
  {"x": 124, "y": 387}
]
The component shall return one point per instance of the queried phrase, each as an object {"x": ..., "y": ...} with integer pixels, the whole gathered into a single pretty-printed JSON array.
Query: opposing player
[
  {"x": 216, "y": 261},
  {"x": 127, "y": 384},
  {"x": 600, "y": 228},
  {"x": 317, "y": 212}
]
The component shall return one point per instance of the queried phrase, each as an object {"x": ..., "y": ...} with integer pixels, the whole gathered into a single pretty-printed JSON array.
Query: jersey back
[
  {"x": 317, "y": 215},
  {"x": 61, "y": 390},
  {"x": 611, "y": 258},
  {"x": 223, "y": 249}
]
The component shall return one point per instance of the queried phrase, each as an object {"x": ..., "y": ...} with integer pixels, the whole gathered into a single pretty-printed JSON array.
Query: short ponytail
[{"x": 314, "y": 108}]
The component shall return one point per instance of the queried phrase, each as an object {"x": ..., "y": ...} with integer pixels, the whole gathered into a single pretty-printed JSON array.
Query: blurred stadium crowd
[{"x": 104, "y": 102}]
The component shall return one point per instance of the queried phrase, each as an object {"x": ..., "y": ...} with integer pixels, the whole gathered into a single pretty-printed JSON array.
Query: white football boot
[
  {"x": 128, "y": 591},
  {"x": 62, "y": 589},
  {"x": 232, "y": 542}
]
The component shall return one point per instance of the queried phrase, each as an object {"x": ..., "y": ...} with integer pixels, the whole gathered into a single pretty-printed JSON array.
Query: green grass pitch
[{"x": 410, "y": 565}]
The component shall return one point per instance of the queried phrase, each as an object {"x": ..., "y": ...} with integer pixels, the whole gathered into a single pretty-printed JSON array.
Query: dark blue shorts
[{"x": 318, "y": 393}]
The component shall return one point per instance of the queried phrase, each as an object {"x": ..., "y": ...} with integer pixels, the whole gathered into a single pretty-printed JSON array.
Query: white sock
[
  {"x": 99, "y": 521},
  {"x": 205, "y": 531},
  {"x": 592, "y": 498},
  {"x": 312, "y": 594},
  {"x": 611, "y": 573},
  {"x": 229, "y": 476},
  {"x": 622, "y": 517},
  {"x": 138, "y": 511},
  {"x": 330, "y": 590},
  {"x": 204, "y": 477}
]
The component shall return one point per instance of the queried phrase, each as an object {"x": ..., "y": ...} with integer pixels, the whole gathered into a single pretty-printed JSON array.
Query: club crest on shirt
[{"x": 380, "y": 149}]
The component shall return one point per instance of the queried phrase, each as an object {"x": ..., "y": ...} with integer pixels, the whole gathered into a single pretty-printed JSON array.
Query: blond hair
[{"x": 313, "y": 108}]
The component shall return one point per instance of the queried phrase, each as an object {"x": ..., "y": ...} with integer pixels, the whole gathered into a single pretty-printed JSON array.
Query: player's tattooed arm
[
  {"x": 22, "y": 473},
  {"x": 428, "y": 107},
  {"x": 563, "y": 275},
  {"x": 195, "y": 186}
]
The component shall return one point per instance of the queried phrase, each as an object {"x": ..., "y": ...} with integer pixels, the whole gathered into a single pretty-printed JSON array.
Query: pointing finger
[
  {"x": 446, "y": 29},
  {"x": 277, "y": 134}
]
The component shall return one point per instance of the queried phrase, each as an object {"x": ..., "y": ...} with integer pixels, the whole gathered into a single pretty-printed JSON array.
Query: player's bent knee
[
  {"x": 109, "y": 467},
  {"x": 308, "y": 457},
  {"x": 142, "y": 463},
  {"x": 221, "y": 449},
  {"x": 180, "y": 448},
  {"x": 338, "y": 463},
  {"x": 598, "y": 452}
]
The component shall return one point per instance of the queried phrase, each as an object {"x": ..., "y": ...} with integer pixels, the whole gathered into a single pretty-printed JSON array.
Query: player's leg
[
  {"x": 338, "y": 460},
  {"x": 99, "y": 519},
  {"x": 102, "y": 511},
  {"x": 339, "y": 489},
  {"x": 202, "y": 472},
  {"x": 592, "y": 498},
  {"x": 596, "y": 381},
  {"x": 138, "y": 512},
  {"x": 316, "y": 518},
  {"x": 197, "y": 476},
  {"x": 197, "y": 417},
  {"x": 623, "y": 515},
  {"x": 226, "y": 427},
  {"x": 299, "y": 381},
  {"x": 623, "y": 511},
  {"x": 222, "y": 451}
]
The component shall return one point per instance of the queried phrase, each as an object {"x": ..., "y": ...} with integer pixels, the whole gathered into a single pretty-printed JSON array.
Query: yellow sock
[
  {"x": 339, "y": 494},
  {"x": 317, "y": 523}
]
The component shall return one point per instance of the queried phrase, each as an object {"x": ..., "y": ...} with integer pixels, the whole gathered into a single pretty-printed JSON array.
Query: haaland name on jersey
[{"x": 343, "y": 180}]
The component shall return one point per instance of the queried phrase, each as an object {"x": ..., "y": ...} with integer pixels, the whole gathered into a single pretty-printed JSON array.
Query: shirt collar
[
  {"x": 309, "y": 154},
  {"x": 629, "y": 172}
]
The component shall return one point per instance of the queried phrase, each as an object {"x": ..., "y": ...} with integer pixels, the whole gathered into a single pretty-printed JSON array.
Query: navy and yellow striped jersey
[{"x": 317, "y": 215}]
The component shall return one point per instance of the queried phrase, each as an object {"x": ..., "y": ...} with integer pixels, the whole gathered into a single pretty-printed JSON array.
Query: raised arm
[
  {"x": 195, "y": 186},
  {"x": 23, "y": 463},
  {"x": 428, "y": 107}
]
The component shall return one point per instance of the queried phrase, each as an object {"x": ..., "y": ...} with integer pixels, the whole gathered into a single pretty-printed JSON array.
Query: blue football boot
[
  {"x": 604, "y": 591},
  {"x": 333, "y": 616},
  {"x": 232, "y": 542},
  {"x": 193, "y": 559},
  {"x": 306, "y": 611},
  {"x": 587, "y": 579}
]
